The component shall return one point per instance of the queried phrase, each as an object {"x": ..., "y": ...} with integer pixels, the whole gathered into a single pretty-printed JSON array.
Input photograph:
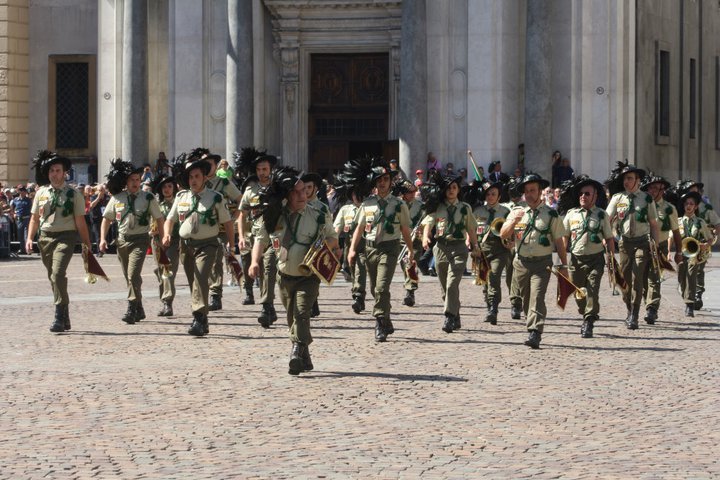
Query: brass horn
[
  {"x": 690, "y": 247},
  {"x": 496, "y": 226}
]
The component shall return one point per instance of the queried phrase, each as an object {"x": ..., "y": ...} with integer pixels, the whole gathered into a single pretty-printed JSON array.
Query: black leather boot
[
  {"x": 58, "y": 325},
  {"x": 533, "y": 340},
  {"x": 388, "y": 326},
  {"x": 197, "y": 328},
  {"x": 515, "y": 312},
  {"x": 698, "y": 302},
  {"x": 380, "y": 335},
  {"x": 409, "y": 299},
  {"x": 140, "y": 311},
  {"x": 166, "y": 310},
  {"x": 586, "y": 331},
  {"x": 215, "y": 303},
  {"x": 66, "y": 317},
  {"x": 249, "y": 297},
  {"x": 272, "y": 313},
  {"x": 651, "y": 315},
  {"x": 130, "y": 316},
  {"x": 456, "y": 322},
  {"x": 264, "y": 318},
  {"x": 448, "y": 324},
  {"x": 307, "y": 361},
  {"x": 315, "y": 310},
  {"x": 358, "y": 305},
  {"x": 689, "y": 311},
  {"x": 205, "y": 324},
  {"x": 295, "y": 365},
  {"x": 634, "y": 315}
]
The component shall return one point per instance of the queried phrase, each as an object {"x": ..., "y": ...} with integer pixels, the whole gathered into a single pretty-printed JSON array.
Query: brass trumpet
[{"x": 495, "y": 227}]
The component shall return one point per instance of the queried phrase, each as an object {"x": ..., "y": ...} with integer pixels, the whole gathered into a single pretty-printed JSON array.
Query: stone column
[
  {"x": 412, "y": 121},
  {"x": 239, "y": 93},
  {"x": 134, "y": 82},
  {"x": 538, "y": 77}
]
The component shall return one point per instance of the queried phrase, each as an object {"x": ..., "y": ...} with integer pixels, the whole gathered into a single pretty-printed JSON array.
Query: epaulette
[
  {"x": 225, "y": 181},
  {"x": 553, "y": 213},
  {"x": 708, "y": 206},
  {"x": 601, "y": 214},
  {"x": 648, "y": 198},
  {"x": 149, "y": 196},
  {"x": 70, "y": 193},
  {"x": 218, "y": 198}
]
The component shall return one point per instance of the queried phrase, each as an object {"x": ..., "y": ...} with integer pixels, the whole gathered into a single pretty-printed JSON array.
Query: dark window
[
  {"x": 72, "y": 109},
  {"x": 663, "y": 101},
  {"x": 693, "y": 98}
]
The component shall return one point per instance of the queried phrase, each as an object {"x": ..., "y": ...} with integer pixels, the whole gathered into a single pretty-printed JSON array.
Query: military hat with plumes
[
  {"x": 570, "y": 193},
  {"x": 156, "y": 184},
  {"x": 204, "y": 154},
  {"x": 651, "y": 178},
  {"x": 119, "y": 172},
  {"x": 282, "y": 181},
  {"x": 402, "y": 186},
  {"x": 615, "y": 180},
  {"x": 433, "y": 191},
  {"x": 42, "y": 162},
  {"x": 531, "y": 177}
]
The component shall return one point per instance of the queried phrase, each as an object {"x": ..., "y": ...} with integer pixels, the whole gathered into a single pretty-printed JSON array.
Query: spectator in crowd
[
  {"x": 463, "y": 174},
  {"x": 92, "y": 170},
  {"x": 556, "y": 158},
  {"x": 549, "y": 198},
  {"x": 224, "y": 169},
  {"x": 495, "y": 173},
  {"x": 419, "y": 173},
  {"x": 21, "y": 211},
  {"x": 98, "y": 201},
  {"x": 162, "y": 165},
  {"x": 449, "y": 170},
  {"x": 561, "y": 171},
  {"x": 433, "y": 163},
  {"x": 395, "y": 167},
  {"x": 147, "y": 175}
]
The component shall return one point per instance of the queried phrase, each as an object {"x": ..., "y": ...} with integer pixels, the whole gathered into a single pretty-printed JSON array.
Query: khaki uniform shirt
[
  {"x": 632, "y": 213},
  {"x": 294, "y": 235},
  {"x": 382, "y": 225},
  {"x": 249, "y": 205},
  {"x": 485, "y": 218},
  {"x": 58, "y": 215},
  {"x": 696, "y": 228},
  {"x": 452, "y": 221},
  {"x": 133, "y": 218},
  {"x": 200, "y": 218},
  {"x": 165, "y": 207},
  {"x": 707, "y": 213},
  {"x": 345, "y": 220},
  {"x": 315, "y": 202},
  {"x": 534, "y": 237},
  {"x": 587, "y": 230},
  {"x": 667, "y": 219}
]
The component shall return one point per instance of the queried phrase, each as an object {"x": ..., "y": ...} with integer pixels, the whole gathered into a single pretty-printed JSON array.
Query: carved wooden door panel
[{"x": 349, "y": 100}]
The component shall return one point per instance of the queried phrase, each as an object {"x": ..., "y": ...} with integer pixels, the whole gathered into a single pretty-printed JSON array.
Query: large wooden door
[{"x": 348, "y": 114}]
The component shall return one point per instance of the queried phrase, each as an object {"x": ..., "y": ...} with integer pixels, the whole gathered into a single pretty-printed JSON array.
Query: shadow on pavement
[{"x": 395, "y": 376}]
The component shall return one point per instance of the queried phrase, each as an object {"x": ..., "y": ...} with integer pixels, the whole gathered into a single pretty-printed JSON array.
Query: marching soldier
[
  {"x": 632, "y": 212},
  {"x": 382, "y": 220},
  {"x": 407, "y": 190},
  {"x": 165, "y": 188},
  {"x": 707, "y": 213},
  {"x": 692, "y": 227},
  {"x": 587, "y": 226},
  {"x": 536, "y": 227},
  {"x": 199, "y": 211},
  {"x": 496, "y": 250},
  {"x": 456, "y": 228},
  {"x": 513, "y": 290},
  {"x": 345, "y": 227},
  {"x": 133, "y": 211},
  {"x": 58, "y": 213},
  {"x": 668, "y": 226},
  {"x": 231, "y": 197},
  {"x": 294, "y": 228},
  {"x": 250, "y": 209},
  {"x": 313, "y": 182}
]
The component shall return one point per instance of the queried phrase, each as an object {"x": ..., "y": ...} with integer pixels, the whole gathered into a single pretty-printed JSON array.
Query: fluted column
[
  {"x": 412, "y": 121},
  {"x": 239, "y": 92},
  {"x": 134, "y": 82},
  {"x": 538, "y": 76}
]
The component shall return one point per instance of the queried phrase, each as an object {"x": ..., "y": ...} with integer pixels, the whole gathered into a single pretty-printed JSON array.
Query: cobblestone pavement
[{"x": 111, "y": 400}]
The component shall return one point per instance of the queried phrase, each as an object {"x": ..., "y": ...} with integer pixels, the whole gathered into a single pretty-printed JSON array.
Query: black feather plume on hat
[
  {"x": 156, "y": 184},
  {"x": 615, "y": 180},
  {"x": 177, "y": 165},
  {"x": 42, "y": 161},
  {"x": 671, "y": 195},
  {"x": 473, "y": 194},
  {"x": 402, "y": 186},
  {"x": 570, "y": 193},
  {"x": 356, "y": 176},
  {"x": 199, "y": 152},
  {"x": 432, "y": 192},
  {"x": 117, "y": 177},
  {"x": 272, "y": 196},
  {"x": 510, "y": 189},
  {"x": 244, "y": 159}
]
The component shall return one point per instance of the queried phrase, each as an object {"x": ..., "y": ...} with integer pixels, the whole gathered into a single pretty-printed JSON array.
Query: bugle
[{"x": 580, "y": 293}]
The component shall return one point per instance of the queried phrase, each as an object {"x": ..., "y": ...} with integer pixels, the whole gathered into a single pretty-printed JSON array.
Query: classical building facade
[{"x": 320, "y": 81}]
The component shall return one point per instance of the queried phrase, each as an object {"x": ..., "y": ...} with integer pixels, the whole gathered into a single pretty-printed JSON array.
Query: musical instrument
[
  {"x": 408, "y": 267},
  {"x": 698, "y": 252},
  {"x": 495, "y": 227},
  {"x": 92, "y": 267},
  {"x": 563, "y": 283},
  {"x": 655, "y": 257},
  {"x": 481, "y": 268},
  {"x": 161, "y": 258},
  {"x": 320, "y": 261}
]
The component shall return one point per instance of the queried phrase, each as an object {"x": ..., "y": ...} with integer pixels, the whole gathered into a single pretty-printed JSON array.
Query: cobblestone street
[{"x": 111, "y": 400}]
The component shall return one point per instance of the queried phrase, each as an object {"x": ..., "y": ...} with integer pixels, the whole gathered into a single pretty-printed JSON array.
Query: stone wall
[{"x": 14, "y": 92}]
